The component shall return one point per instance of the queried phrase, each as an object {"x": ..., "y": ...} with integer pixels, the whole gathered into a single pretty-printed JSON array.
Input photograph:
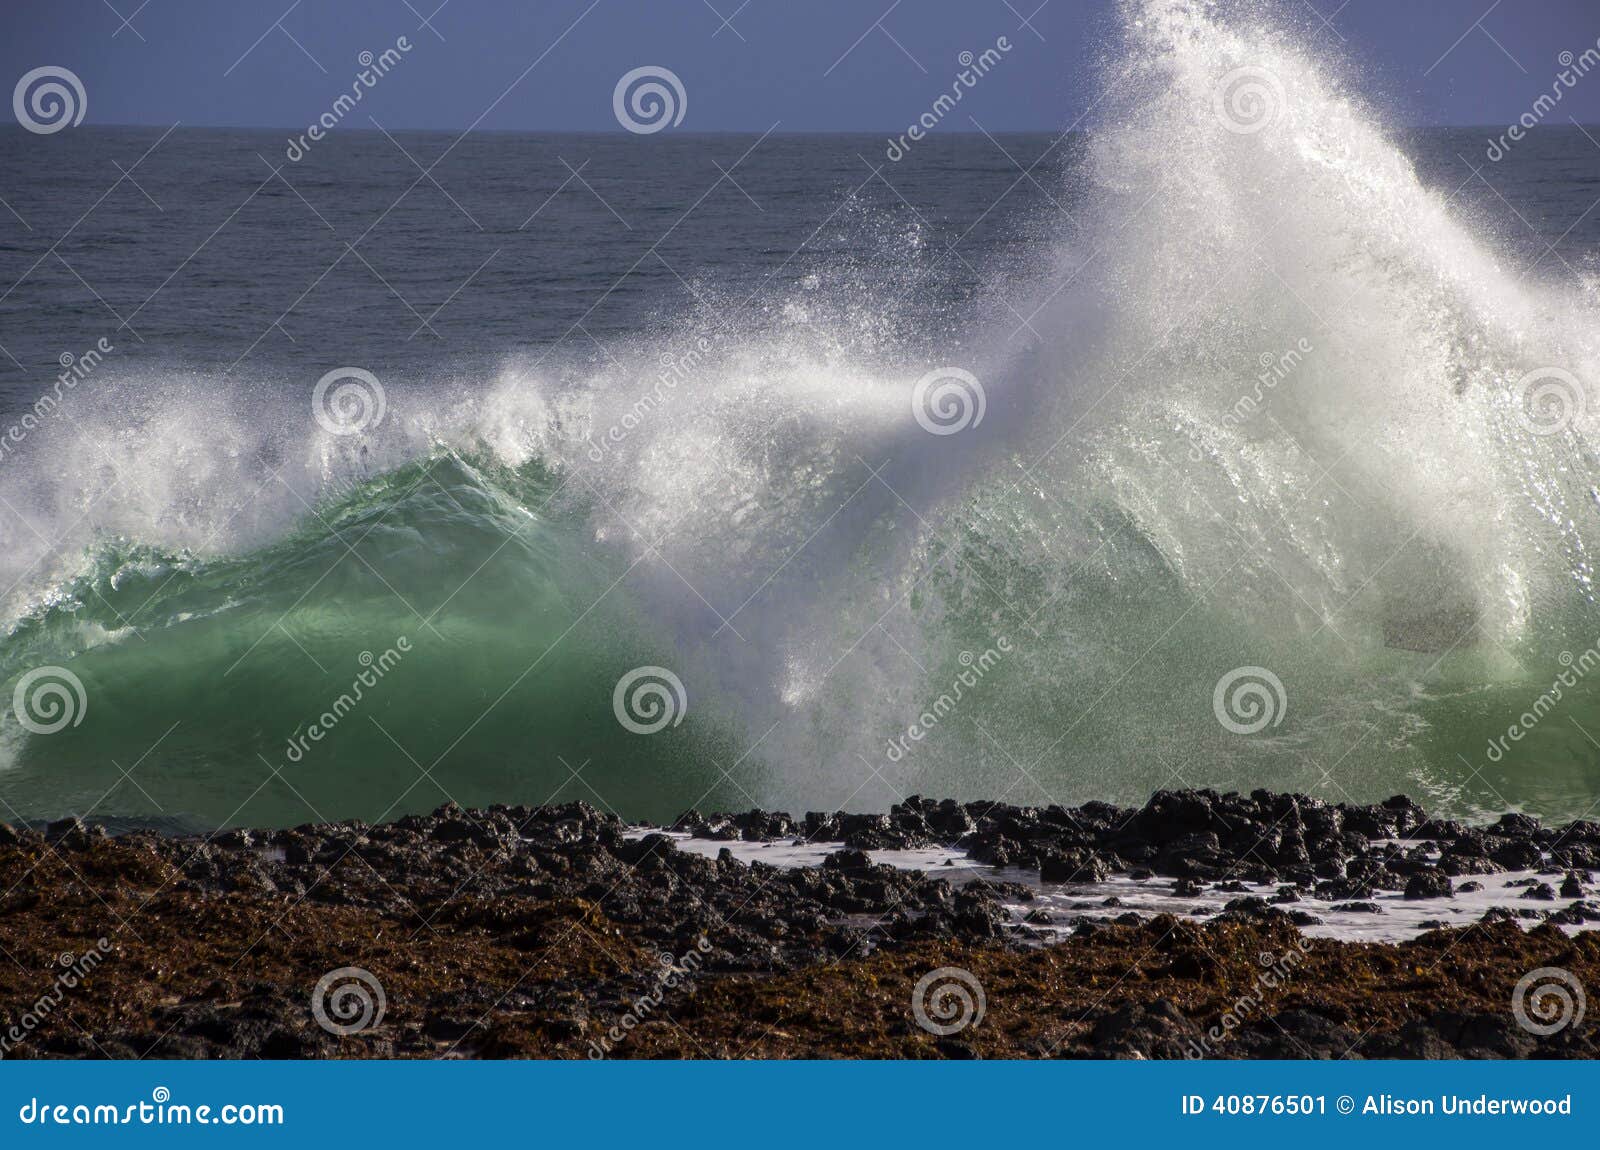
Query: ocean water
[{"x": 1235, "y": 439}]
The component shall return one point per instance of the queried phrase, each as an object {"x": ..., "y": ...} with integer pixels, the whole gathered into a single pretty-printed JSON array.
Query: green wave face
[
  {"x": 430, "y": 636},
  {"x": 452, "y": 631}
]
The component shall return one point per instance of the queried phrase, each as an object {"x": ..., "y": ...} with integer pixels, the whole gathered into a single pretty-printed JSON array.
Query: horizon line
[{"x": 623, "y": 133}]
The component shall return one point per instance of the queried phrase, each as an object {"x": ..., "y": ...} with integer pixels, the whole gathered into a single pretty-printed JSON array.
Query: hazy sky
[{"x": 807, "y": 64}]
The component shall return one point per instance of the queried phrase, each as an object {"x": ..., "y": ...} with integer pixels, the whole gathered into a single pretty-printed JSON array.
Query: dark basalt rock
[
  {"x": 1342, "y": 851},
  {"x": 450, "y": 908},
  {"x": 1429, "y": 884},
  {"x": 1515, "y": 855},
  {"x": 1156, "y": 1030},
  {"x": 1079, "y": 867},
  {"x": 846, "y": 860},
  {"x": 1577, "y": 914},
  {"x": 1295, "y": 1034},
  {"x": 71, "y": 834}
]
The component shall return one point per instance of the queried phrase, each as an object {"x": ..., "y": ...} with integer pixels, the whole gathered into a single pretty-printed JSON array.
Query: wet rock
[
  {"x": 1515, "y": 855},
  {"x": 72, "y": 834},
  {"x": 1345, "y": 889},
  {"x": 1296, "y": 1034},
  {"x": 1579, "y": 913},
  {"x": 848, "y": 860},
  {"x": 1429, "y": 885},
  {"x": 1077, "y": 867},
  {"x": 1137, "y": 1030},
  {"x": 1517, "y": 826},
  {"x": 1482, "y": 1035}
]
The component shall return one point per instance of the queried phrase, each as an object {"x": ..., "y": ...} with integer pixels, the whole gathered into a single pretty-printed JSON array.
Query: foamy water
[{"x": 1397, "y": 918}]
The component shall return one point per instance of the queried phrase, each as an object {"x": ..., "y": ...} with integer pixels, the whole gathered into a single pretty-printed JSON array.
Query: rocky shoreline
[{"x": 562, "y": 932}]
